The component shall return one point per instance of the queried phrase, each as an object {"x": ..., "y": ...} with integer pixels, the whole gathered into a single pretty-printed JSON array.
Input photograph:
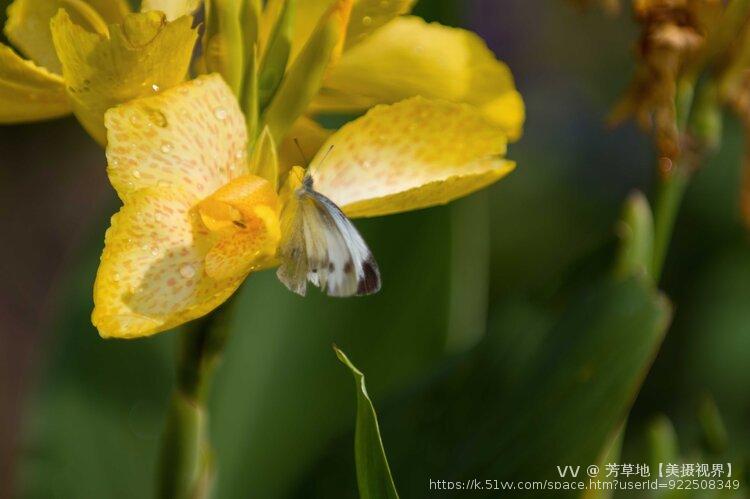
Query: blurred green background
[{"x": 81, "y": 417}]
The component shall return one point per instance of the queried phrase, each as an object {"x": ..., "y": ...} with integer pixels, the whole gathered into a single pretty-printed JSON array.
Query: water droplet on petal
[
  {"x": 114, "y": 163},
  {"x": 135, "y": 119},
  {"x": 136, "y": 174},
  {"x": 166, "y": 147},
  {"x": 157, "y": 117},
  {"x": 220, "y": 113},
  {"x": 154, "y": 87},
  {"x": 154, "y": 251},
  {"x": 187, "y": 271},
  {"x": 116, "y": 277},
  {"x": 367, "y": 20}
]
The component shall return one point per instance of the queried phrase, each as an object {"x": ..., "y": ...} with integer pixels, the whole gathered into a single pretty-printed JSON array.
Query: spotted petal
[
  {"x": 152, "y": 274},
  {"x": 142, "y": 55},
  {"x": 410, "y": 155},
  {"x": 409, "y": 57},
  {"x": 192, "y": 137},
  {"x": 28, "y": 92}
]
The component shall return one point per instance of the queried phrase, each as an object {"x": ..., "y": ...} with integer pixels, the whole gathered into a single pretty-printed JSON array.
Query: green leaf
[
  {"x": 276, "y": 54},
  {"x": 636, "y": 231},
  {"x": 264, "y": 161},
  {"x": 514, "y": 409},
  {"x": 304, "y": 78},
  {"x": 578, "y": 392},
  {"x": 373, "y": 474}
]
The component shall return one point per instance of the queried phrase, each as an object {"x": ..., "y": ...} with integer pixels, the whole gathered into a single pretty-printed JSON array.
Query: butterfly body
[{"x": 322, "y": 246}]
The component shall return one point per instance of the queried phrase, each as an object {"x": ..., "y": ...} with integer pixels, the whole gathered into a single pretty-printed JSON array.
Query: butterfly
[{"x": 323, "y": 247}]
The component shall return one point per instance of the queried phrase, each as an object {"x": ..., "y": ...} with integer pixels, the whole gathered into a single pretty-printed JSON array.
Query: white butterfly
[{"x": 322, "y": 246}]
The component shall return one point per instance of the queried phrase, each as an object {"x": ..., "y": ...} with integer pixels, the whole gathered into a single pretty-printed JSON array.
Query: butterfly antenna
[
  {"x": 326, "y": 154},
  {"x": 301, "y": 152},
  {"x": 322, "y": 160}
]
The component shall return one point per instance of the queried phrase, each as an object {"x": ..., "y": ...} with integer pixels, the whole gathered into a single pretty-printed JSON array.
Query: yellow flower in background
[
  {"x": 388, "y": 57},
  {"x": 85, "y": 57},
  {"x": 196, "y": 222}
]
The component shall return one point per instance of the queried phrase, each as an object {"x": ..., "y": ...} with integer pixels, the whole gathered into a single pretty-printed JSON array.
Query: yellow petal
[
  {"x": 409, "y": 155},
  {"x": 28, "y": 27},
  {"x": 366, "y": 17},
  {"x": 245, "y": 214},
  {"x": 143, "y": 55},
  {"x": 172, "y": 8},
  {"x": 191, "y": 137},
  {"x": 409, "y": 57},
  {"x": 152, "y": 276},
  {"x": 28, "y": 92}
]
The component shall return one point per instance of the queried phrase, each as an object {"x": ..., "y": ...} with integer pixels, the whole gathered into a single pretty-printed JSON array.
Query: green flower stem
[
  {"x": 673, "y": 183},
  {"x": 186, "y": 467},
  {"x": 669, "y": 195}
]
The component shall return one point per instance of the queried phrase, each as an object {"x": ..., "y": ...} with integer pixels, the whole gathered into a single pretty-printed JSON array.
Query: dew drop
[
  {"x": 134, "y": 119},
  {"x": 166, "y": 147},
  {"x": 114, "y": 163},
  {"x": 239, "y": 154},
  {"x": 154, "y": 251},
  {"x": 155, "y": 88},
  {"x": 116, "y": 277},
  {"x": 187, "y": 271},
  {"x": 367, "y": 20},
  {"x": 157, "y": 117},
  {"x": 220, "y": 113},
  {"x": 136, "y": 174}
]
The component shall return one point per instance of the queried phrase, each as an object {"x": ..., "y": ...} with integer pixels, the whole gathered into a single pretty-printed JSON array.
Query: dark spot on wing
[
  {"x": 370, "y": 281},
  {"x": 331, "y": 267},
  {"x": 348, "y": 267}
]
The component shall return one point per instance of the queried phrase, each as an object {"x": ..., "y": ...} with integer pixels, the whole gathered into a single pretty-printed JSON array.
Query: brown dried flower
[{"x": 672, "y": 37}]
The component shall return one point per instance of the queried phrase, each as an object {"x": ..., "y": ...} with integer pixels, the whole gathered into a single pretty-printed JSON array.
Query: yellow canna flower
[
  {"x": 386, "y": 57},
  {"x": 195, "y": 221},
  {"x": 85, "y": 57}
]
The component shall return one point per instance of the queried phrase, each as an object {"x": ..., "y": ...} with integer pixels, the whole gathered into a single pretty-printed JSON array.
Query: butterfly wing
[{"x": 324, "y": 248}]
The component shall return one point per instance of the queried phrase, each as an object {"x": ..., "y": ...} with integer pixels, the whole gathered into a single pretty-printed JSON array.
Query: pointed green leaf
[
  {"x": 636, "y": 231},
  {"x": 264, "y": 161},
  {"x": 373, "y": 474},
  {"x": 276, "y": 55},
  {"x": 249, "y": 100},
  {"x": 560, "y": 404}
]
